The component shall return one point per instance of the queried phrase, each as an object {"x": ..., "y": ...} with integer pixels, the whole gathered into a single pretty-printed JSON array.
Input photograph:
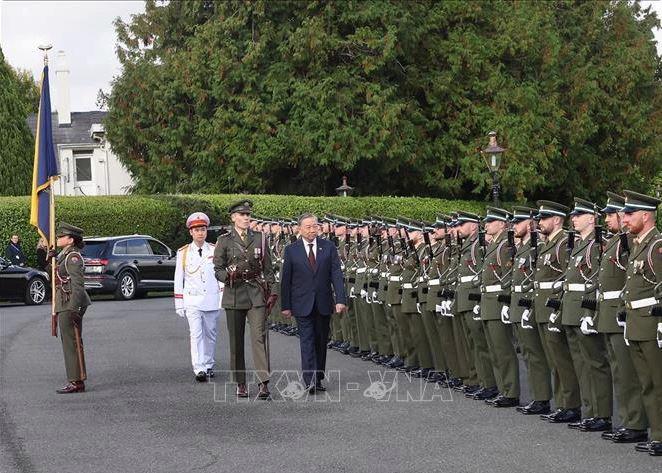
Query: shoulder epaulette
[{"x": 180, "y": 249}]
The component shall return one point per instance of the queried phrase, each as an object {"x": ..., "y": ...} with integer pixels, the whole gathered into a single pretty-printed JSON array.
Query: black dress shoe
[
  {"x": 642, "y": 447},
  {"x": 72, "y": 387},
  {"x": 454, "y": 383},
  {"x": 353, "y": 350},
  {"x": 551, "y": 415},
  {"x": 468, "y": 390},
  {"x": 596, "y": 424},
  {"x": 263, "y": 393},
  {"x": 210, "y": 373},
  {"x": 535, "y": 408},
  {"x": 578, "y": 425},
  {"x": 201, "y": 377},
  {"x": 629, "y": 436},
  {"x": 396, "y": 362},
  {"x": 493, "y": 400},
  {"x": 565, "y": 416},
  {"x": 655, "y": 448},
  {"x": 319, "y": 387},
  {"x": 241, "y": 390},
  {"x": 486, "y": 393},
  {"x": 359, "y": 354},
  {"x": 504, "y": 401}
]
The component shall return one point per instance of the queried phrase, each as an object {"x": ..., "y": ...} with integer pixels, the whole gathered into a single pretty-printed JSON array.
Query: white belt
[
  {"x": 383, "y": 275},
  {"x": 576, "y": 287},
  {"x": 374, "y": 271},
  {"x": 434, "y": 282},
  {"x": 546, "y": 285},
  {"x": 360, "y": 270},
  {"x": 492, "y": 288},
  {"x": 407, "y": 285},
  {"x": 421, "y": 279},
  {"x": 395, "y": 278},
  {"x": 468, "y": 278},
  {"x": 608, "y": 295},
  {"x": 517, "y": 289},
  {"x": 640, "y": 303}
]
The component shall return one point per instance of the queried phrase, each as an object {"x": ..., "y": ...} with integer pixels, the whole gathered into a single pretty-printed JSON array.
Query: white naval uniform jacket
[{"x": 196, "y": 286}]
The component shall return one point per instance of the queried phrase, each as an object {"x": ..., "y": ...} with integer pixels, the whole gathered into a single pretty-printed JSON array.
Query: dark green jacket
[
  {"x": 582, "y": 270},
  {"x": 552, "y": 263},
  {"x": 468, "y": 274},
  {"x": 611, "y": 282},
  {"x": 495, "y": 275},
  {"x": 70, "y": 292},
  {"x": 251, "y": 256}
]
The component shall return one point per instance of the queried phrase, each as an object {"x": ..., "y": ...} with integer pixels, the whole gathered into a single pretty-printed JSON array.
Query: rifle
[
  {"x": 482, "y": 242},
  {"x": 428, "y": 245},
  {"x": 533, "y": 242},
  {"x": 511, "y": 240},
  {"x": 599, "y": 229},
  {"x": 403, "y": 242}
]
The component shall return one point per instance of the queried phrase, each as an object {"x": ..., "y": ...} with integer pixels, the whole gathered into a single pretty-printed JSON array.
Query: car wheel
[
  {"x": 126, "y": 287},
  {"x": 35, "y": 292}
]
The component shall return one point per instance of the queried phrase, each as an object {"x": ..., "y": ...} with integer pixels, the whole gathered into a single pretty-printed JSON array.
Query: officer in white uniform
[{"x": 198, "y": 295}]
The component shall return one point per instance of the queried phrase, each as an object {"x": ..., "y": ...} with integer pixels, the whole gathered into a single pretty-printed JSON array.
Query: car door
[
  {"x": 138, "y": 253},
  {"x": 12, "y": 280},
  {"x": 164, "y": 271}
]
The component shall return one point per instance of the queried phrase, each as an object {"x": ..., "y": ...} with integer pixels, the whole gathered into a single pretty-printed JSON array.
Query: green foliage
[
  {"x": 164, "y": 216},
  {"x": 286, "y": 97},
  {"x": 17, "y": 95}
]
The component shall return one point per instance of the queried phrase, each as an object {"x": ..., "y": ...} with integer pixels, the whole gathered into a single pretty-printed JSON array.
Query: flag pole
[{"x": 51, "y": 230}]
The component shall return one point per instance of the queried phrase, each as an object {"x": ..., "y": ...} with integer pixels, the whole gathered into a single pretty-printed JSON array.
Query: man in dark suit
[{"x": 310, "y": 278}]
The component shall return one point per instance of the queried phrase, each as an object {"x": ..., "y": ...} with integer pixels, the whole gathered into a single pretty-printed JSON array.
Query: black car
[
  {"x": 18, "y": 283},
  {"x": 127, "y": 266}
]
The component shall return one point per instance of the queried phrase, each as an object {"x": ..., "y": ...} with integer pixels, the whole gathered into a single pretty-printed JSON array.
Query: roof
[
  {"x": 77, "y": 133},
  {"x": 109, "y": 238}
]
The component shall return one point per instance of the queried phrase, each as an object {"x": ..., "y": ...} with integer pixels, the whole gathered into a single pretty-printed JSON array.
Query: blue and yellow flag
[{"x": 45, "y": 165}]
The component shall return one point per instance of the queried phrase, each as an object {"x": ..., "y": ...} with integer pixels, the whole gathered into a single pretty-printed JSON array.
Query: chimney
[{"x": 62, "y": 80}]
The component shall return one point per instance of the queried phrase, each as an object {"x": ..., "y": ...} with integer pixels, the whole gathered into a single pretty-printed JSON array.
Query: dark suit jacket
[{"x": 303, "y": 287}]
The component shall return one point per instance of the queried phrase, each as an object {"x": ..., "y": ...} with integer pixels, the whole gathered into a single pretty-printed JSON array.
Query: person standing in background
[{"x": 14, "y": 252}]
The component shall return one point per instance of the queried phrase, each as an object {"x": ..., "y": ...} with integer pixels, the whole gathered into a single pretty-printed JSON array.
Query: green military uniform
[
  {"x": 244, "y": 266},
  {"x": 467, "y": 297},
  {"x": 495, "y": 281},
  {"x": 551, "y": 264},
  {"x": 643, "y": 310},
  {"x": 351, "y": 266},
  {"x": 611, "y": 281},
  {"x": 394, "y": 300},
  {"x": 523, "y": 318},
  {"x": 382, "y": 295},
  {"x": 71, "y": 302},
  {"x": 587, "y": 348},
  {"x": 378, "y": 259},
  {"x": 362, "y": 309}
]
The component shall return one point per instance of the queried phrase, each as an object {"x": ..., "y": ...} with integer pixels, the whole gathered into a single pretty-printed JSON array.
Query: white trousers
[{"x": 202, "y": 327}]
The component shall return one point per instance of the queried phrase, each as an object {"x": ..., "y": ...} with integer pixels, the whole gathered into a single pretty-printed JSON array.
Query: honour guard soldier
[
  {"x": 551, "y": 265},
  {"x": 467, "y": 300},
  {"x": 71, "y": 301},
  {"x": 243, "y": 264},
  {"x": 496, "y": 275},
  {"x": 643, "y": 321},
  {"x": 611, "y": 281},
  {"x": 197, "y": 295},
  {"x": 587, "y": 347}
]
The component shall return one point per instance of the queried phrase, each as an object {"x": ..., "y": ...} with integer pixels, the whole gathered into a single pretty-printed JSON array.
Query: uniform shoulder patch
[{"x": 74, "y": 257}]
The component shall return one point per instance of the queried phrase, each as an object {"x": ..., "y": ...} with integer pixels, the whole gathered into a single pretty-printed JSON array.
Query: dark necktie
[
  {"x": 311, "y": 256},
  {"x": 200, "y": 252}
]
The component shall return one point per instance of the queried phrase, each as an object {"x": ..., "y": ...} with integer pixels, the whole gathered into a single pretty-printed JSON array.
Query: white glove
[
  {"x": 525, "y": 319},
  {"x": 505, "y": 315},
  {"x": 476, "y": 311},
  {"x": 439, "y": 308},
  {"x": 625, "y": 336},
  {"x": 374, "y": 298},
  {"x": 620, "y": 324},
  {"x": 363, "y": 294},
  {"x": 351, "y": 293},
  {"x": 552, "y": 318},
  {"x": 418, "y": 307},
  {"x": 553, "y": 328},
  {"x": 181, "y": 312},
  {"x": 659, "y": 335},
  {"x": 587, "y": 327},
  {"x": 448, "y": 306}
]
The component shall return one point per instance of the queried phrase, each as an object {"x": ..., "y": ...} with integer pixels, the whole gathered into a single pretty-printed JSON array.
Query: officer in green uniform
[
  {"x": 467, "y": 300},
  {"x": 643, "y": 306},
  {"x": 587, "y": 347},
  {"x": 611, "y": 281},
  {"x": 495, "y": 284},
  {"x": 243, "y": 263},
  {"x": 551, "y": 265},
  {"x": 388, "y": 253},
  {"x": 394, "y": 295},
  {"x": 351, "y": 266},
  {"x": 71, "y": 302},
  {"x": 378, "y": 266},
  {"x": 522, "y": 316},
  {"x": 359, "y": 289}
]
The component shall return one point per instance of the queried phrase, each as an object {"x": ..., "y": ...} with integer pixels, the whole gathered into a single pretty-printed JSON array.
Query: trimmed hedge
[{"x": 164, "y": 216}]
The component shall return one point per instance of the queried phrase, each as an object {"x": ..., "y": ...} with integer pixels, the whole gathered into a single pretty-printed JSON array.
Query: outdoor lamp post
[
  {"x": 344, "y": 190},
  {"x": 492, "y": 154}
]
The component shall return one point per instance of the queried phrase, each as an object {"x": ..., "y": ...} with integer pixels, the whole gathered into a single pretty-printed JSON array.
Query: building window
[{"x": 83, "y": 160}]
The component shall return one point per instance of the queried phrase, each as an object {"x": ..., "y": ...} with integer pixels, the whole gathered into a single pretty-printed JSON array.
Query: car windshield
[{"x": 93, "y": 249}]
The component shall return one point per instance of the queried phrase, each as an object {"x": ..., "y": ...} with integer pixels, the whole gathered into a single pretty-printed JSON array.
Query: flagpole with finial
[{"x": 51, "y": 231}]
